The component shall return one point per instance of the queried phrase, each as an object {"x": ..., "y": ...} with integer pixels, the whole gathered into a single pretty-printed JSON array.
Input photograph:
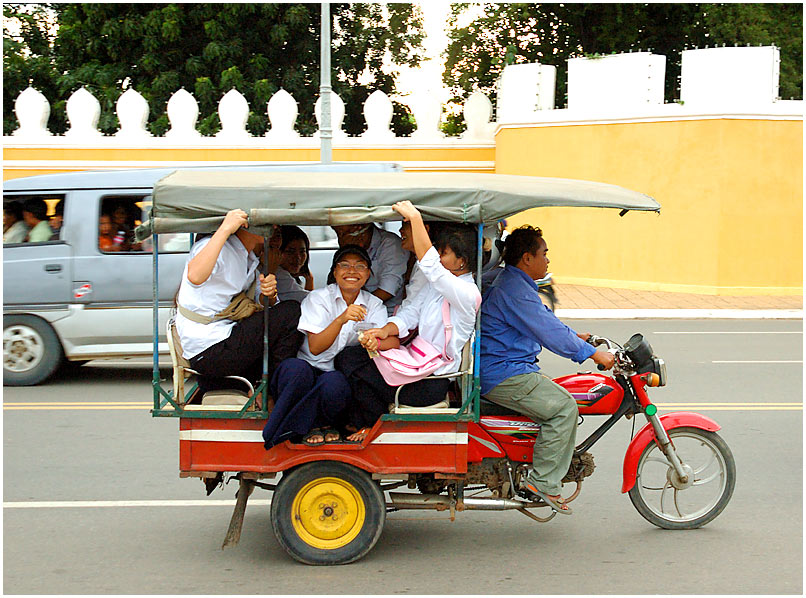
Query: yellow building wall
[
  {"x": 731, "y": 195},
  {"x": 48, "y": 158}
]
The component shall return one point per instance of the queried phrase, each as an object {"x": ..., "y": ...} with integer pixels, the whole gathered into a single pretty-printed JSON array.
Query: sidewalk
[{"x": 579, "y": 301}]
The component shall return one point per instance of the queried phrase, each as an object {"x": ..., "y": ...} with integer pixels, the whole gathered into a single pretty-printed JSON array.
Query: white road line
[
  {"x": 761, "y": 361},
  {"x": 95, "y": 504},
  {"x": 729, "y": 332}
]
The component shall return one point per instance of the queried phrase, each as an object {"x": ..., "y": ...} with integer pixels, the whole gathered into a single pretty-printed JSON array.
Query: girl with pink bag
[{"x": 444, "y": 314}]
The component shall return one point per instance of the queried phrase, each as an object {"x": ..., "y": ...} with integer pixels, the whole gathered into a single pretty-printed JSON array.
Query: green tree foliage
[
  {"x": 553, "y": 33},
  {"x": 209, "y": 49}
]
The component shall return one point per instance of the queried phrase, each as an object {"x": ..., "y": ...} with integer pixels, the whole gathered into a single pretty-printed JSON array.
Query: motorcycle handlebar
[{"x": 611, "y": 348}]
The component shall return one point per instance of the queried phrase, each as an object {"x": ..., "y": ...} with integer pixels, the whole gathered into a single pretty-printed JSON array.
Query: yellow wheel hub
[{"x": 328, "y": 513}]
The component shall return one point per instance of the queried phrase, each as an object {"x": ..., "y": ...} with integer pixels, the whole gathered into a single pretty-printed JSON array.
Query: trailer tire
[
  {"x": 32, "y": 351},
  {"x": 327, "y": 513}
]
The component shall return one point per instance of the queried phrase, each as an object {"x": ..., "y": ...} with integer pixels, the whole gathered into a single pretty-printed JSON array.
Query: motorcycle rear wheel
[{"x": 663, "y": 501}]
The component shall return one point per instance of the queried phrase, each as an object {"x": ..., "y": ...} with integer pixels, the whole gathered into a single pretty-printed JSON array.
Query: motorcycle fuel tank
[{"x": 595, "y": 394}]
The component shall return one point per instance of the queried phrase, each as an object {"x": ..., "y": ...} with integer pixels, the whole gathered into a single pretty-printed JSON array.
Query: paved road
[{"x": 746, "y": 375}]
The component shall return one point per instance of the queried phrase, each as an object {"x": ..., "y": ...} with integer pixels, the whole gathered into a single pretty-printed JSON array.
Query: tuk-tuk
[{"x": 330, "y": 504}]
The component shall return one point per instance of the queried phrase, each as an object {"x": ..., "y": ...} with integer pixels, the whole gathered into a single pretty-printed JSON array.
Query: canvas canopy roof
[{"x": 196, "y": 201}]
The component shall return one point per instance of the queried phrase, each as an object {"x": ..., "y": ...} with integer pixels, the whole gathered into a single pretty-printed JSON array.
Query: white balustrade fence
[{"x": 714, "y": 80}]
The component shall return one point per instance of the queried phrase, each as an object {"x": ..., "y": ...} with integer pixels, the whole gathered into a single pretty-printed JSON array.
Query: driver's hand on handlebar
[
  {"x": 584, "y": 336},
  {"x": 604, "y": 359}
]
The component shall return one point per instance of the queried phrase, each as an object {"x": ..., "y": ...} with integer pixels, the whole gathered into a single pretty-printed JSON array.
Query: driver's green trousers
[{"x": 548, "y": 403}]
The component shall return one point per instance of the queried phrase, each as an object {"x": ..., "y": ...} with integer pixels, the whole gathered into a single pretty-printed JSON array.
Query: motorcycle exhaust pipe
[{"x": 402, "y": 500}]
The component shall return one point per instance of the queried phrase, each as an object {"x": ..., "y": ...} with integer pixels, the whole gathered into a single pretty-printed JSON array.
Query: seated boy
[{"x": 219, "y": 268}]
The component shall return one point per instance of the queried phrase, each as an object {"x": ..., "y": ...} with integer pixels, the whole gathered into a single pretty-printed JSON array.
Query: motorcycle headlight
[{"x": 638, "y": 350}]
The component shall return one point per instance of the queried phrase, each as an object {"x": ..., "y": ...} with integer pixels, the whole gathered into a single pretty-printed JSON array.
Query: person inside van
[
  {"x": 14, "y": 228},
  {"x": 389, "y": 257},
  {"x": 220, "y": 336},
  {"x": 106, "y": 234},
  {"x": 310, "y": 394},
  {"x": 35, "y": 215},
  {"x": 448, "y": 268},
  {"x": 56, "y": 220},
  {"x": 294, "y": 279},
  {"x": 123, "y": 222}
]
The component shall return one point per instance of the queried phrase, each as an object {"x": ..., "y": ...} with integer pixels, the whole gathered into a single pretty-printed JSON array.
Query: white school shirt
[
  {"x": 425, "y": 310},
  {"x": 417, "y": 282},
  {"x": 320, "y": 308},
  {"x": 234, "y": 271},
  {"x": 389, "y": 261},
  {"x": 288, "y": 287}
]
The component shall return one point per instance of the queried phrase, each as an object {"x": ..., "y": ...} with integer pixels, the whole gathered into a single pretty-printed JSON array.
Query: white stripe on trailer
[
  {"x": 421, "y": 438},
  {"x": 385, "y": 438},
  {"x": 222, "y": 435}
]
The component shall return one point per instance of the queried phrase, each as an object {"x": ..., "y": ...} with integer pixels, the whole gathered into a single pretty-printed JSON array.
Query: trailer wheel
[
  {"x": 31, "y": 350},
  {"x": 327, "y": 513}
]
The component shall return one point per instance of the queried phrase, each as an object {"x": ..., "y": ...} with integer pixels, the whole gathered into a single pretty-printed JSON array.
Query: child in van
[{"x": 106, "y": 234}]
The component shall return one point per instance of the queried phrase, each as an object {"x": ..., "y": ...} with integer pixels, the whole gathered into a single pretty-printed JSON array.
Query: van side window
[
  {"x": 118, "y": 218},
  {"x": 32, "y": 218}
]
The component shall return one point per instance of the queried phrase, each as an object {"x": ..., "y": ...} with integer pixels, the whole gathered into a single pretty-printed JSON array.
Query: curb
[{"x": 693, "y": 314}]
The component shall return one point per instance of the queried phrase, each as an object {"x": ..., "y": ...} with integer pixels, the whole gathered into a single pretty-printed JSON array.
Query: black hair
[
  {"x": 14, "y": 208},
  {"x": 461, "y": 239},
  {"x": 291, "y": 233},
  {"x": 348, "y": 250},
  {"x": 526, "y": 239},
  {"x": 37, "y": 207},
  {"x": 58, "y": 210}
]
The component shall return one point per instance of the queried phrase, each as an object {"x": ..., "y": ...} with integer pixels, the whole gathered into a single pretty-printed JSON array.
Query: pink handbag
[{"x": 417, "y": 359}]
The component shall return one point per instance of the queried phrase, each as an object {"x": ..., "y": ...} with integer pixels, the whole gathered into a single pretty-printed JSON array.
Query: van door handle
[{"x": 53, "y": 267}]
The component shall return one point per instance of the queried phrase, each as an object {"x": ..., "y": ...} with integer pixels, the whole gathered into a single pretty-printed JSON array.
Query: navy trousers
[
  {"x": 305, "y": 398},
  {"x": 371, "y": 395}
]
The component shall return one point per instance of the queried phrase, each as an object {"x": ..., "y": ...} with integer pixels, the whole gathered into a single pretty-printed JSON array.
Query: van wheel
[
  {"x": 31, "y": 350},
  {"x": 327, "y": 513}
]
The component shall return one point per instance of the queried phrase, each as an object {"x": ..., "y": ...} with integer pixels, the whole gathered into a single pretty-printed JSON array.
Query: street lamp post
[{"x": 325, "y": 129}]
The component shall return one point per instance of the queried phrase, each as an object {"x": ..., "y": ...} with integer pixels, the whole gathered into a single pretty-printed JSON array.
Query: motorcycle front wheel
[{"x": 663, "y": 500}]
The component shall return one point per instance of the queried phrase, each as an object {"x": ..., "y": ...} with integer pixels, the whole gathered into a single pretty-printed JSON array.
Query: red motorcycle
[{"x": 678, "y": 472}]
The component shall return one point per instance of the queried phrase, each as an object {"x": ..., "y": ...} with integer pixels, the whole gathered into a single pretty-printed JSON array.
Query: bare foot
[{"x": 358, "y": 436}]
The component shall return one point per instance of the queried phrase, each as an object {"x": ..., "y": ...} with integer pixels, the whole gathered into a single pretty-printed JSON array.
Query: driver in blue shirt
[{"x": 515, "y": 326}]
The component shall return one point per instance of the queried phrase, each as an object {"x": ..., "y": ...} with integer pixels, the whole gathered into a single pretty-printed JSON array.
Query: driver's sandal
[{"x": 556, "y": 503}]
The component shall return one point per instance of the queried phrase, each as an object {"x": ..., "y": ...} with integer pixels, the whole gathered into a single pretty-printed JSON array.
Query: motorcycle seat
[{"x": 489, "y": 408}]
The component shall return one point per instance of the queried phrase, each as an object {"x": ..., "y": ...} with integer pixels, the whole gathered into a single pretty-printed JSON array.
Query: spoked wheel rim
[
  {"x": 328, "y": 513},
  {"x": 666, "y": 496},
  {"x": 23, "y": 348}
]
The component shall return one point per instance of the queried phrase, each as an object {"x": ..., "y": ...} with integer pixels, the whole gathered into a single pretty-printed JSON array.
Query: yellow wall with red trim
[
  {"x": 48, "y": 158},
  {"x": 731, "y": 192}
]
